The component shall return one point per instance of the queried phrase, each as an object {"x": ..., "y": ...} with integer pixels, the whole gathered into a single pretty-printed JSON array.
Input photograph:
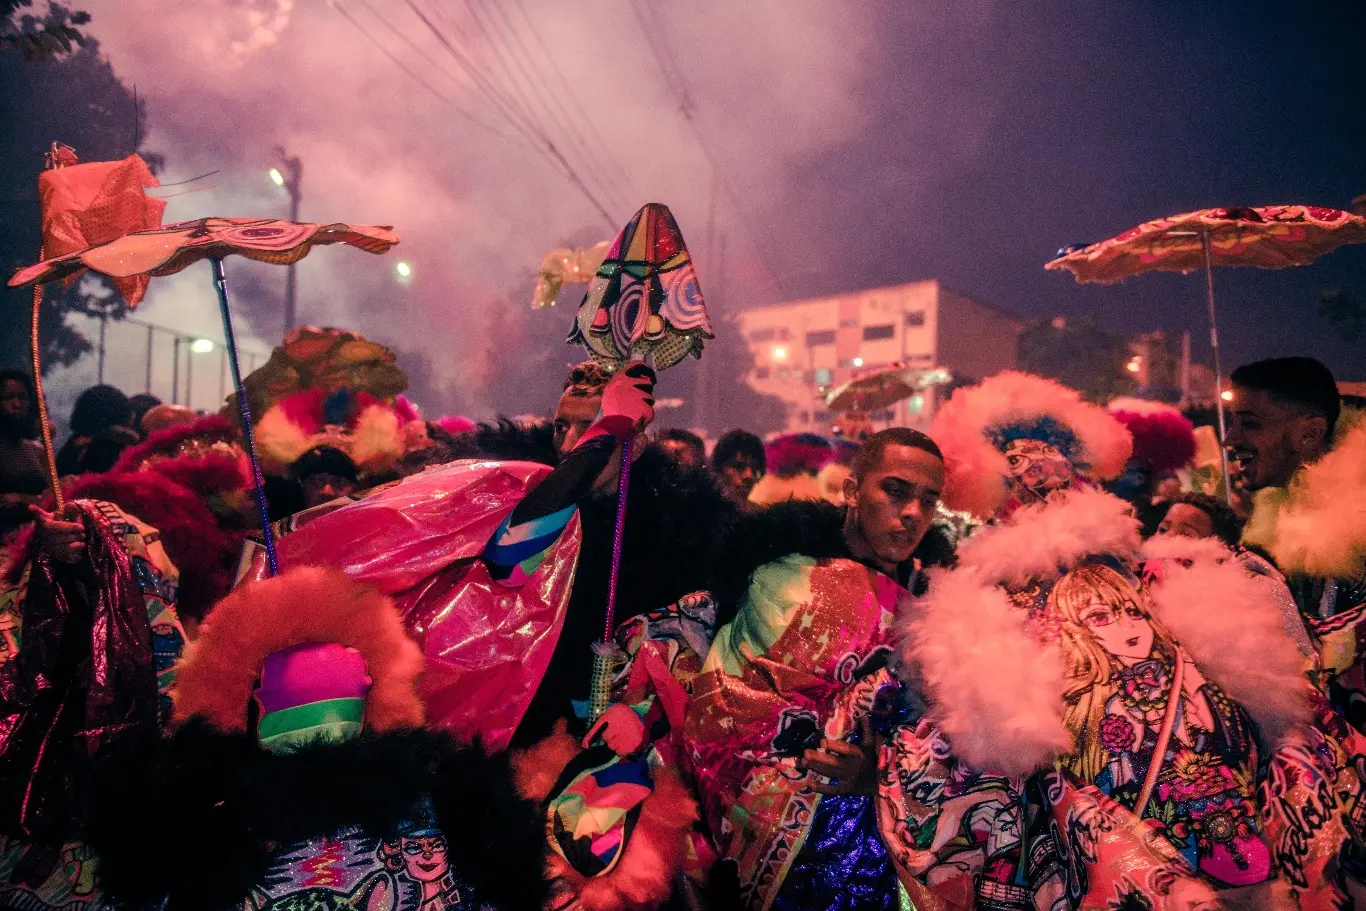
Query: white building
[{"x": 803, "y": 347}]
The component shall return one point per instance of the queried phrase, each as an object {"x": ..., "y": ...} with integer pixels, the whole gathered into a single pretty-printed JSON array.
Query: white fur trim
[
  {"x": 976, "y": 469},
  {"x": 996, "y": 692},
  {"x": 1231, "y": 626},
  {"x": 1040, "y": 540},
  {"x": 1318, "y": 526}
]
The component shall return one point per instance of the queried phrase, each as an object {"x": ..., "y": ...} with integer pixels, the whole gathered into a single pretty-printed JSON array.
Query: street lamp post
[{"x": 290, "y": 175}]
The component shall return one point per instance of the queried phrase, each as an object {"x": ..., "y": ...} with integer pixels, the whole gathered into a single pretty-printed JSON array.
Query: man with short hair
[
  {"x": 780, "y": 728},
  {"x": 738, "y": 462},
  {"x": 1283, "y": 416}
]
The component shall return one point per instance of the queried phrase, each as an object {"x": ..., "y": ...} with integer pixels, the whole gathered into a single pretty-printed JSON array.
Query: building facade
[{"x": 802, "y": 348}]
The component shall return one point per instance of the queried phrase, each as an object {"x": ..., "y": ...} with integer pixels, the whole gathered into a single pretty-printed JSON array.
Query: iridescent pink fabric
[{"x": 487, "y": 643}]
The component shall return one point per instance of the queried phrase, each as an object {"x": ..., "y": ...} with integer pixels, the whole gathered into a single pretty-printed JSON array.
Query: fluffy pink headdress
[
  {"x": 797, "y": 453},
  {"x": 972, "y": 427},
  {"x": 1164, "y": 438}
]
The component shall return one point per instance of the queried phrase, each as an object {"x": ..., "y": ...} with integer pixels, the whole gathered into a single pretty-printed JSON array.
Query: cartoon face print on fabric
[
  {"x": 1121, "y": 665},
  {"x": 1037, "y": 469}
]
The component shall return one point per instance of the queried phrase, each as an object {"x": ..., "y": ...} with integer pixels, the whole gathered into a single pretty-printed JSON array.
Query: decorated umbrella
[
  {"x": 882, "y": 387},
  {"x": 643, "y": 304},
  {"x": 168, "y": 249},
  {"x": 1272, "y": 237}
]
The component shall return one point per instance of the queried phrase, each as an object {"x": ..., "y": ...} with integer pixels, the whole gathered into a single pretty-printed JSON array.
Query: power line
[
  {"x": 677, "y": 83},
  {"x": 595, "y": 154},
  {"x": 414, "y": 76},
  {"x": 480, "y": 79}
]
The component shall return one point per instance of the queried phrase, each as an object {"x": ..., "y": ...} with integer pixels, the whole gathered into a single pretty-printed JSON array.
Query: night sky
[{"x": 855, "y": 145}]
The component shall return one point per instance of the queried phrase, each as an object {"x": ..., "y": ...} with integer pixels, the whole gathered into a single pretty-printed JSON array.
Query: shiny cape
[
  {"x": 801, "y": 660},
  {"x": 207, "y": 819},
  {"x": 487, "y": 643},
  {"x": 84, "y": 676}
]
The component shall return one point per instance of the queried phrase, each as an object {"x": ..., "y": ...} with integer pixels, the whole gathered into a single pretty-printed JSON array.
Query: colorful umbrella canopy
[
  {"x": 883, "y": 387},
  {"x": 1272, "y": 237},
  {"x": 170, "y": 248},
  {"x": 644, "y": 301}
]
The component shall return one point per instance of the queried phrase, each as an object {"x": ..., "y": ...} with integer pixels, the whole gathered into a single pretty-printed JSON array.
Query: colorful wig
[
  {"x": 1164, "y": 438},
  {"x": 975, "y": 425},
  {"x": 355, "y": 422},
  {"x": 216, "y": 678}
]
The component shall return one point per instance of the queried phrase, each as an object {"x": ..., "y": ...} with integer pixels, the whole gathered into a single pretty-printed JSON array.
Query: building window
[
  {"x": 762, "y": 335},
  {"x": 877, "y": 333},
  {"x": 823, "y": 376},
  {"x": 761, "y": 373},
  {"x": 826, "y": 337},
  {"x": 848, "y": 324},
  {"x": 783, "y": 333},
  {"x": 880, "y": 416},
  {"x": 920, "y": 359},
  {"x": 915, "y": 318}
]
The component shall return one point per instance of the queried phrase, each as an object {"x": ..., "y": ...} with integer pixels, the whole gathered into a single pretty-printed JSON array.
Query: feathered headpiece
[
  {"x": 218, "y": 675},
  {"x": 353, "y": 421},
  {"x": 1164, "y": 438},
  {"x": 978, "y": 422},
  {"x": 797, "y": 453}
]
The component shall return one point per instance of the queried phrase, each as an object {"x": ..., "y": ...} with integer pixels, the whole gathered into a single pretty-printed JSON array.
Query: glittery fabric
[
  {"x": 778, "y": 678},
  {"x": 844, "y": 865},
  {"x": 487, "y": 643}
]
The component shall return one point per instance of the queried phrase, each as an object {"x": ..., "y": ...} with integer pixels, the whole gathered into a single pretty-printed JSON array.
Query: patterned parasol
[
  {"x": 171, "y": 248},
  {"x": 1272, "y": 237},
  {"x": 644, "y": 302},
  {"x": 882, "y": 387}
]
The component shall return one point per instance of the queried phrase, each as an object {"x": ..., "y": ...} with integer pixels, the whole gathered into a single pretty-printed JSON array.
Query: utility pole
[{"x": 290, "y": 175}]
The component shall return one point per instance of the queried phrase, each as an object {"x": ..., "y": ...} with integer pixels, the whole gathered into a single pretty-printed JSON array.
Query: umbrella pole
[
  {"x": 45, "y": 428},
  {"x": 604, "y": 653},
  {"x": 220, "y": 284},
  {"x": 1218, "y": 371}
]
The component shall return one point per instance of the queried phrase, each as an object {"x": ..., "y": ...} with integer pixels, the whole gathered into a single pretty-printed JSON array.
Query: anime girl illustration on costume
[{"x": 1122, "y": 671}]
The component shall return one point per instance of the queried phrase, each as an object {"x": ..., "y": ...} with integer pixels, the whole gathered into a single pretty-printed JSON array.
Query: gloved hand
[{"x": 628, "y": 404}]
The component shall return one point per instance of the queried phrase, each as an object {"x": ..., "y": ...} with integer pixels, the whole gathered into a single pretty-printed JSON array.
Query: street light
[
  {"x": 290, "y": 175},
  {"x": 404, "y": 270},
  {"x": 780, "y": 353},
  {"x": 858, "y": 362},
  {"x": 201, "y": 345},
  {"x": 1226, "y": 395}
]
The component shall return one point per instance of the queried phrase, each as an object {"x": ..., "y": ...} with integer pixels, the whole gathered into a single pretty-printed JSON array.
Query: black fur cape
[
  {"x": 198, "y": 817},
  {"x": 812, "y": 529},
  {"x": 673, "y": 518}
]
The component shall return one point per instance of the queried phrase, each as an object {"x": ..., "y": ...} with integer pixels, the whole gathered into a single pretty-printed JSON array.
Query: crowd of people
[{"x": 1026, "y": 659}]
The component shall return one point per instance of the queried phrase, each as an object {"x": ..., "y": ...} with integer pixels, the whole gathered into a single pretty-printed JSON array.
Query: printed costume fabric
[
  {"x": 487, "y": 641},
  {"x": 88, "y": 661},
  {"x": 803, "y": 660}
]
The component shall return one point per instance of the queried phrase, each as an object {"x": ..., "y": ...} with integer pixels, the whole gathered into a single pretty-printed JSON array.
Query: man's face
[
  {"x": 573, "y": 416},
  {"x": 1186, "y": 521},
  {"x": 738, "y": 477},
  {"x": 1270, "y": 439},
  {"x": 894, "y": 504}
]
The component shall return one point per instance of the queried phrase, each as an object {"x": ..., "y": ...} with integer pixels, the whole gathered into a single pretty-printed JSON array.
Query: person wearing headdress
[
  {"x": 1164, "y": 443},
  {"x": 299, "y": 774},
  {"x": 1092, "y": 734},
  {"x": 781, "y": 730},
  {"x": 793, "y": 461}
]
